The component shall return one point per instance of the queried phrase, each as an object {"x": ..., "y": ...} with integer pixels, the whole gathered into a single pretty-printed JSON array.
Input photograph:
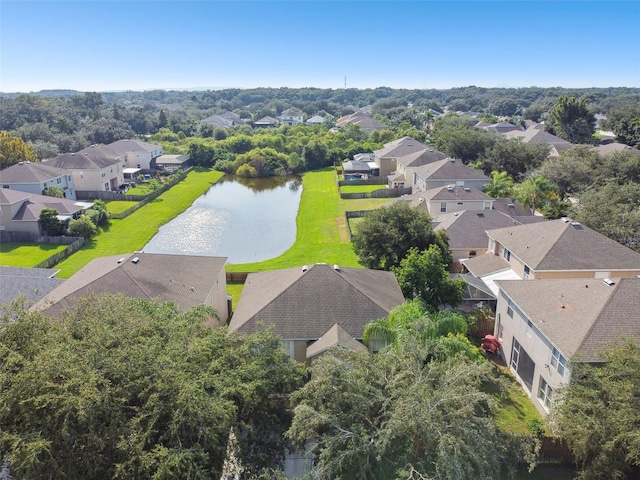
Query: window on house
[
  {"x": 443, "y": 206},
  {"x": 499, "y": 329},
  {"x": 472, "y": 253},
  {"x": 509, "y": 311},
  {"x": 59, "y": 181},
  {"x": 545, "y": 393},
  {"x": 558, "y": 362},
  {"x": 460, "y": 203},
  {"x": 507, "y": 254},
  {"x": 526, "y": 272},
  {"x": 287, "y": 346}
]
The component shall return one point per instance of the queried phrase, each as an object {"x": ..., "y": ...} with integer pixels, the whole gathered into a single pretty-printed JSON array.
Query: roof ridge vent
[
  {"x": 564, "y": 220},
  {"x": 336, "y": 267},
  {"x": 305, "y": 268},
  {"x": 608, "y": 281}
]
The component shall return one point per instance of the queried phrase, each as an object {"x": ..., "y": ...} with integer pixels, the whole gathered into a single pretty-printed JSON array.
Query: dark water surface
[{"x": 246, "y": 220}]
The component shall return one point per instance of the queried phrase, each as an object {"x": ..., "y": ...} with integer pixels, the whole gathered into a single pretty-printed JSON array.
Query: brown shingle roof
[
  {"x": 421, "y": 157},
  {"x": 400, "y": 148},
  {"x": 579, "y": 316},
  {"x": 184, "y": 279},
  {"x": 304, "y": 305},
  {"x": 485, "y": 264},
  {"x": 335, "y": 336},
  {"x": 88, "y": 160},
  {"x": 563, "y": 245},
  {"x": 450, "y": 170}
]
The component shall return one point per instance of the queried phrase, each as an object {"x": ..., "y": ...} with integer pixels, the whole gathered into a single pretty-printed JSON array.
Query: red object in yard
[{"x": 491, "y": 344}]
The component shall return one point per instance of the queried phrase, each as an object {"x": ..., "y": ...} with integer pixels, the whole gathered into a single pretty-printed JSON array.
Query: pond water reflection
[{"x": 246, "y": 220}]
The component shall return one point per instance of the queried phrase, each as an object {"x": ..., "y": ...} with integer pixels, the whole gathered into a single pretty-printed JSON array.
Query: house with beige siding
[
  {"x": 92, "y": 170},
  {"x": 546, "y": 325},
  {"x": 560, "y": 248},
  {"x": 320, "y": 304}
]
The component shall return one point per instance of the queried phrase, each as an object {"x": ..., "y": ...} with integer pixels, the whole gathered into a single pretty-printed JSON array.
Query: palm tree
[{"x": 501, "y": 185}]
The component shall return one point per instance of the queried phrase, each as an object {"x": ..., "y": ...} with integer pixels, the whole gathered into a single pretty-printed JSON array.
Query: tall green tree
[
  {"x": 514, "y": 156},
  {"x": 14, "y": 150},
  {"x": 570, "y": 118},
  {"x": 385, "y": 236},
  {"x": 128, "y": 388},
  {"x": 424, "y": 275},
  {"x": 501, "y": 185},
  {"x": 598, "y": 414},
  {"x": 395, "y": 415},
  {"x": 536, "y": 192},
  {"x": 625, "y": 123},
  {"x": 50, "y": 223}
]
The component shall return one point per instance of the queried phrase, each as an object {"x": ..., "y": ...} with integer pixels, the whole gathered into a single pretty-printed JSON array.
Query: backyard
[{"x": 19, "y": 255}]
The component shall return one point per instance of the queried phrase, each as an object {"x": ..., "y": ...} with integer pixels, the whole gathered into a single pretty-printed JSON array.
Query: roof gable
[
  {"x": 304, "y": 304},
  {"x": 30, "y": 172},
  {"x": 449, "y": 169}
]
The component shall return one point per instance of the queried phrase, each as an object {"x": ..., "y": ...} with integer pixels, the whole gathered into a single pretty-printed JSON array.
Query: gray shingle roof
[
  {"x": 34, "y": 203},
  {"x": 33, "y": 283},
  {"x": 125, "y": 146},
  {"x": 467, "y": 229},
  {"x": 421, "y": 157},
  {"x": 485, "y": 264},
  {"x": 455, "y": 192},
  {"x": 304, "y": 305},
  {"x": 579, "y": 316},
  {"x": 450, "y": 170},
  {"x": 87, "y": 160},
  {"x": 401, "y": 147},
  {"x": 561, "y": 245},
  {"x": 30, "y": 172},
  {"x": 186, "y": 280}
]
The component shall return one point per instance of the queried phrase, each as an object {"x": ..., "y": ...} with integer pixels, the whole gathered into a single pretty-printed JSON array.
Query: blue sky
[{"x": 141, "y": 45}]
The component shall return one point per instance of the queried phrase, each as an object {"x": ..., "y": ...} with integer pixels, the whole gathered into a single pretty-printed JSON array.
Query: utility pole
[{"x": 345, "y": 82}]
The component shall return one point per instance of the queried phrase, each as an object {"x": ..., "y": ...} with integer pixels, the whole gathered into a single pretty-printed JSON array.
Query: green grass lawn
[
  {"x": 515, "y": 410},
  {"x": 19, "y": 255},
  {"x": 118, "y": 206},
  {"x": 322, "y": 234},
  {"x": 361, "y": 188},
  {"x": 133, "y": 232}
]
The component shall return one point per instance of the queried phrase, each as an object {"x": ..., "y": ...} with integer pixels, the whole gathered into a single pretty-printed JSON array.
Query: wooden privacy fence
[
  {"x": 76, "y": 244},
  {"x": 482, "y": 328},
  {"x": 554, "y": 450},
  {"x": 382, "y": 193},
  {"x": 355, "y": 214},
  {"x": 368, "y": 181}
]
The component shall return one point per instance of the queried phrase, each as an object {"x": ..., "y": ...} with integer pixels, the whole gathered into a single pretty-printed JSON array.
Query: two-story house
[
  {"x": 406, "y": 165},
  {"x": 35, "y": 177},
  {"x": 134, "y": 153},
  {"x": 544, "y": 325},
  {"x": 291, "y": 117},
  {"x": 92, "y": 170},
  {"x": 446, "y": 172}
]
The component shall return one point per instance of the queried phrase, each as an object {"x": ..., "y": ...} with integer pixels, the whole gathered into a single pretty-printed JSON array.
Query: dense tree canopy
[
  {"x": 127, "y": 388},
  {"x": 570, "y": 118},
  {"x": 424, "y": 275},
  {"x": 398, "y": 414},
  {"x": 599, "y": 415},
  {"x": 513, "y": 156},
  {"x": 14, "y": 150},
  {"x": 385, "y": 236},
  {"x": 625, "y": 123}
]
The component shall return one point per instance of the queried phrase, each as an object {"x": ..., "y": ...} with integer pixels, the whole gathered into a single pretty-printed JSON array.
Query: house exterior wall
[
  {"x": 435, "y": 206},
  {"x": 7, "y": 212},
  {"x": 217, "y": 297},
  {"x": 142, "y": 159},
  {"x": 427, "y": 183},
  {"x": 460, "y": 254},
  {"x": 107, "y": 179},
  {"x": 64, "y": 182},
  {"x": 513, "y": 324},
  {"x": 387, "y": 165}
]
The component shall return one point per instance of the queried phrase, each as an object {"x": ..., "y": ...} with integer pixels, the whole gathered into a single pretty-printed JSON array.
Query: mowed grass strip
[
  {"x": 133, "y": 232},
  {"x": 322, "y": 235},
  {"x": 119, "y": 206},
  {"x": 361, "y": 188},
  {"x": 20, "y": 255}
]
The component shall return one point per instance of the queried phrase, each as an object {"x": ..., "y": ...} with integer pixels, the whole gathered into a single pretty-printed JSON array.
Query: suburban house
[
  {"x": 31, "y": 283},
  {"x": 20, "y": 211},
  {"x": 467, "y": 230},
  {"x": 500, "y": 127},
  {"x": 186, "y": 280},
  {"x": 137, "y": 154},
  {"x": 218, "y": 121},
  {"x": 448, "y": 172},
  {"x": 362, "y": 164},
  {"x": 291, "y": 117},
  {"x": 314, "y": 304},
  {"x": 534, "y": 135},
  {"x": 172, "y": 163},
  {"x": 386, "y": 157},
  {"x": 406, "y": 165},
  {"x": 266, "y": 122},
  {"x": 316, "y": 120},
  {"x": 92, "y": 170},
  {"x": 363, "y": 119},
  {"x": 552, "y": 249},
  {"x": 613, "y": 147},
  {"x": 546, "y": 324},
  {"x": 450, "y": 198},
  {"x": 35, "y": 177}
]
